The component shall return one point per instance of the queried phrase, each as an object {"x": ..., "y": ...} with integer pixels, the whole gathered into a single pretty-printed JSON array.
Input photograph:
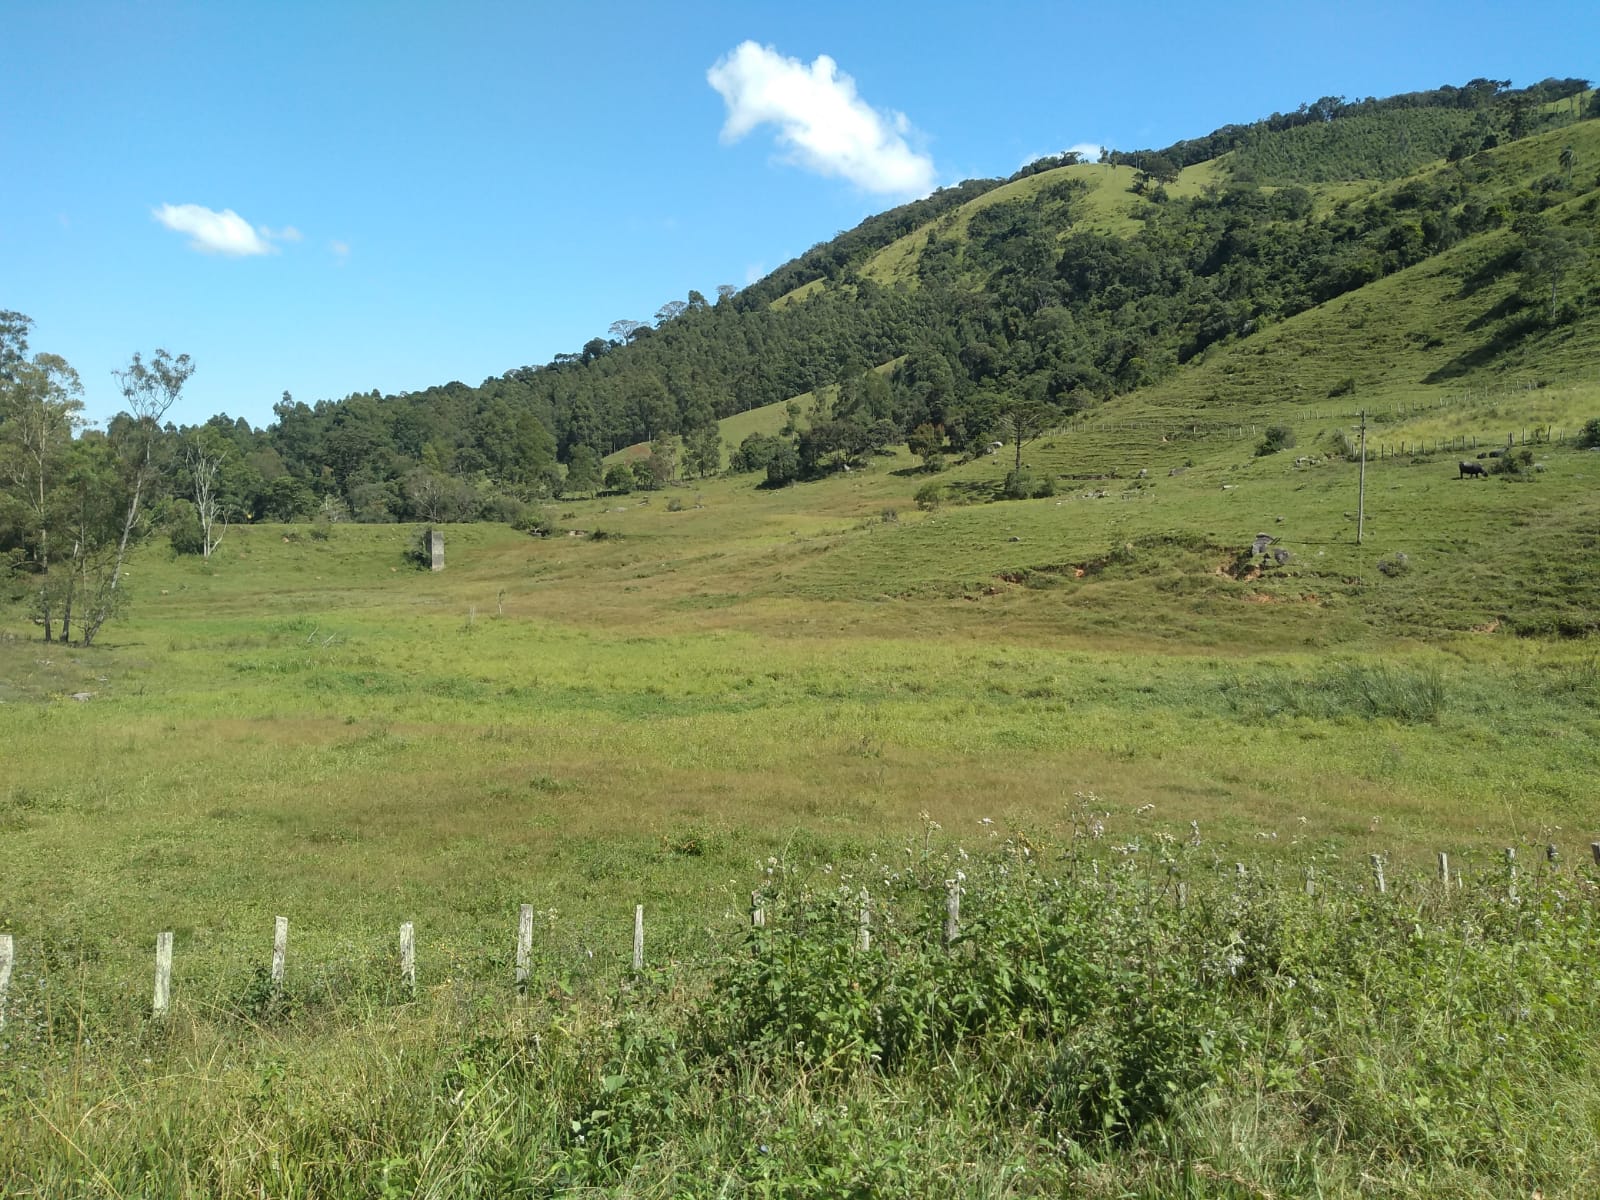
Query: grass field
[{"x": 311, "y": 727}]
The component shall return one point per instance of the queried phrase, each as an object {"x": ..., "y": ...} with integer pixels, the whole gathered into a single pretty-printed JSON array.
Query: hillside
[
  {"x": 1070, "y": 290},
  {"x": 1067, "y": 285}
]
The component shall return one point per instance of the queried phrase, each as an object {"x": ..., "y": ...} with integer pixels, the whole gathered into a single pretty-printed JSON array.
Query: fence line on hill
[{"x": 950, "y": 931}]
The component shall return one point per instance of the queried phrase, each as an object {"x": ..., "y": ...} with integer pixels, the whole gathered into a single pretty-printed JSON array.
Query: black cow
[{"x": 1469, "y": 469}]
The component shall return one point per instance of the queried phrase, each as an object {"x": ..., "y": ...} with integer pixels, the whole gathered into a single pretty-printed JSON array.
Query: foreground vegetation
[{"x": 1119, "y": 1013}]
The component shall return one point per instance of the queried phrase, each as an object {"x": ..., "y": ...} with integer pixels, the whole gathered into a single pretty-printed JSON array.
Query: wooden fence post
[
  {"x": 1444, "y": 868},
  {"x": 1511, "y": 874},
  {"x": 408, "y": 958},
  {"x": 1551, "y": 854},
  {"x": 865, "y": 940},
  {"x": 758, "y": 914},
  {"x": 1594, "y": 849},
  {"x": 524, "y": 946},
  {"x": 638, "y": 937},
  {"x": 280, "y": 952},
  {"x": 1183, "y": 895},
  {"x": 7, "y": 953},
  {"x": 1377, "y": 872},
  {"x": 162, "y": 999},
  {"x": 952, "y": 913},
  {"x": 1311, "y": 879}
]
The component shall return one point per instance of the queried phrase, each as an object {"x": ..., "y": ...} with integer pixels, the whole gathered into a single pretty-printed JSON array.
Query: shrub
[
  {"x": 1023, "y": 484},
  {"x": 1341, "y": 445},
  {"x": 183, "y": 524},
  {"x": 1278, "y": 437},
  {"x": 1589, "y": 437},
  {"x": 534, "y": 523},
  {"x": 1512, "y": 462},
  {"x": 675, "y": 505},
  {"x": 930, "y": 496},
  {"x": 1395, "y": 565}
]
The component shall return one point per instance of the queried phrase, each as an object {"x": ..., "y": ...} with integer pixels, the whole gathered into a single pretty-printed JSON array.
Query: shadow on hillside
[
  {"x": 1505, "y": 339},
  {"x": 1487, "y": 272},
  {"x": 1500, "y": 312}
]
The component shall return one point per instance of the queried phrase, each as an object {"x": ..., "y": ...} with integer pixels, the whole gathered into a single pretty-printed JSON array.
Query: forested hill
[{"x": 997, "y": 300}]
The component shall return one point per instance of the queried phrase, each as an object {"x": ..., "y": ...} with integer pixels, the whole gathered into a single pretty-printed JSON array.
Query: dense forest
[{"x": 1027, "y": 315}]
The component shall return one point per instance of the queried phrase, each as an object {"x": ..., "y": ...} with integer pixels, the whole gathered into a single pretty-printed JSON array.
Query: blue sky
[{"x": 325, "y": 198}]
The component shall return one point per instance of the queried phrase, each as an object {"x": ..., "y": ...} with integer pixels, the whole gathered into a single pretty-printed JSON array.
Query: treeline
[{"x": 1478, "y": 115}]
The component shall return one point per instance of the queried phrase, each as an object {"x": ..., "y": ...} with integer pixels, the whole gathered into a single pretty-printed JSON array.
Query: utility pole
[{"x": 1361, "y": 495}]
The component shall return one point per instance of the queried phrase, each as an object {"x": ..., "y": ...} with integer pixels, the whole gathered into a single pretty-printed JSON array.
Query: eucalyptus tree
[
  {"x": 39, "y": 409},
  {"x": 149, "y": 390}
]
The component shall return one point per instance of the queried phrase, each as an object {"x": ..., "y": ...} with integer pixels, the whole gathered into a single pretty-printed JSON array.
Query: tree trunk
[{"x": 44, "y": 580}]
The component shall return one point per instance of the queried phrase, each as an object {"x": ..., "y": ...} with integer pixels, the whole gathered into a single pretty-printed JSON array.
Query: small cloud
[
  {"x": 287, "y": 234},
  {"x": 212, "y": 232},
  {"x": 341, "y": 251},
  {"x": 821, "y": 120}
]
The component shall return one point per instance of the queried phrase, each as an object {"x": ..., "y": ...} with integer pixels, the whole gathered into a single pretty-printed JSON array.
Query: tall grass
[
  {"x": 1119, "y": 1014},
  {"x": 1359, "y": 691}
]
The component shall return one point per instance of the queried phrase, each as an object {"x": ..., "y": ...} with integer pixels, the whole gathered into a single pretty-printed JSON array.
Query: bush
[
  {"x": 1278, "y": 437},
  {"x": 930, "y": 496},
  {"x": 675, "y": 505},
  {"x": 183, "y": 524},
  {"x": 497, "y": 506},
  {"x": 1512, "y": 462},
  {"x": 1395, "y": 565},
  {"x": 534, "y": 523},
  {"x": 1589, "y": 438},
  {"x": 1341, "y": 445},
  {"x": 1023, "y": 484}
]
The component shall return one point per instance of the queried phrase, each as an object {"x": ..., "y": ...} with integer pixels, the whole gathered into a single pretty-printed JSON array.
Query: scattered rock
[{"x": 80, "y": 697}]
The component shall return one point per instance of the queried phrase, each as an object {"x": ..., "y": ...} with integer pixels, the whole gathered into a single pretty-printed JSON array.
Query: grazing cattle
[{"x": 1469, "y": 469}]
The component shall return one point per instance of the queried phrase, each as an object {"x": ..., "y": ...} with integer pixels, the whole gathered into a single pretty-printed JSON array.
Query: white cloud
[
  {"x": 287, "y": 234},
  {"x": 211, "y": 232},
  {"x": 341, "y": 251},
  {"x": 822, "y": 122}
]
